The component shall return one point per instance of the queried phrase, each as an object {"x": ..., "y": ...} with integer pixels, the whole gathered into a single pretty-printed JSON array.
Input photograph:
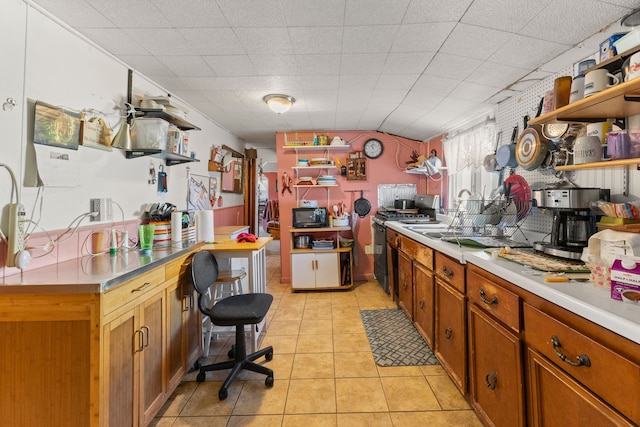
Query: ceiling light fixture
[{"x": 279, "y": 103}]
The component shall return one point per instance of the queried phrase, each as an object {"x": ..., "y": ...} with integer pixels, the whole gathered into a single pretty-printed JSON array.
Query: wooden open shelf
[{"x": 605, "y": 164}]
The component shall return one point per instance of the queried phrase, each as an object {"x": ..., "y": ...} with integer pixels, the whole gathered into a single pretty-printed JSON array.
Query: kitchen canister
[
  {"x": 587, "y": 149},
  {"x": 561, "y": 91}
]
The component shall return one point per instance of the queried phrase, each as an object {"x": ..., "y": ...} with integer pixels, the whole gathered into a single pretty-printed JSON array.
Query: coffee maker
[{"x": 573, "y": 221}]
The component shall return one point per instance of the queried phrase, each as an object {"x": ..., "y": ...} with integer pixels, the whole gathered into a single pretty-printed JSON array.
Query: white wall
[{"x": 44, "y": 60}]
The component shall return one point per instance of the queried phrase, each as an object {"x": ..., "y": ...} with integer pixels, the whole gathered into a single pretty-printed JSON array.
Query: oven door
[{"x": 380, "y": 269}]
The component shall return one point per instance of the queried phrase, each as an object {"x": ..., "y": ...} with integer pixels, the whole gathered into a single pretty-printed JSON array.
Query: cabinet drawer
[
  {"x": 494, "y": 299},
  {"x": 607, "y": 374},
  {"x": 130, "y": 290},
  {"x": 393, "y": 238},
  {"x": 418, "y": 252},
  {"x": 450, "y": 270}
]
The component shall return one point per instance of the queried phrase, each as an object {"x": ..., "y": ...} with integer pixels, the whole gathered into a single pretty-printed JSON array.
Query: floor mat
[{"x": 394, "y": 340}]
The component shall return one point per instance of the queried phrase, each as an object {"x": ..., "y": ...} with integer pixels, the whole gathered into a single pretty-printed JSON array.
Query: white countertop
[{"x": 583, "y": 299}]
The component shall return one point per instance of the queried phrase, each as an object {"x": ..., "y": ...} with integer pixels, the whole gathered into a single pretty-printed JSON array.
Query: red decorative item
[{"x": 246, "y": 237}]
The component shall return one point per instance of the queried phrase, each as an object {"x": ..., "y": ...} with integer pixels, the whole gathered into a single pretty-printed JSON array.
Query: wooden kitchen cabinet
[
  {"x": 556, "y": 399},
  {"x": 496, "y": 378},
  {"x": 405, "y": 284},
  {"x": 495, "y": 371},
  {"x": 451, "y": 333},
  {"x": 451, "y": 322},
  {"x": 424, "y": 302}
]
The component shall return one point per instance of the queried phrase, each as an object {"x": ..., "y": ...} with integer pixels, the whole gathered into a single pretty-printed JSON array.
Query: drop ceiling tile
[
  {"x": 300, "y": 13},
  {"x": 506, "y": 15},
  {"x": 228, "y": 101},
  {"x": 551, "y": 23},
  {"x": 115, "y": 41},
  {"x": 409, "y": 63},
  {"x": 230, "y": 65},
  {"x": 459, "y": 106},
  {"x": 345, "y": 120},
  {"x": 318, "y": 65},
  {"x": 406, "y": 114},
  {"x": 362, "y": 63},
  {"x": 177, "y": 85},
  {"x": 394, "y": 96},
  {"x": 319, "y": 82},
  {"x": 474, "y": 41},
  {"x": 147, "y": 65},
  {"x": 213, "y": 41},
  {"x": 131, "y": 14},
  {"x": 503, "y": 95},
  {"x": 353, "y": 99},
  {"x": 373, "y": 12},
  {"x": 497, "y": 75},
  {"x": 316, "y": 40},
  {"x": 192, "y": 13},
  {"x": 189, "y": 66},
  {"x": 161, "y": 41},
  {"x": 264, "y": 40},
  {"x": 273, "y": 65},
  {"x": 249, "y": 13},
  {"x": 422, "y": 37},
  {"x": 323, "y": 120},
  {"x": 76, "y": 13},
  {"x": 435, "y": 85},
  {"x": 397, "y": 81},
  {"x": 527, "y": 52},
  {"x": 368, "y": 38},
  {"x": 365, "y": 82},
  {"x": 321, "y": 100},
  {"x": 473, "y": 92},
  {"x": 451, "y": 66},
  {"x": 422, "y": 100},
  {"x": 420, "y": 11}
]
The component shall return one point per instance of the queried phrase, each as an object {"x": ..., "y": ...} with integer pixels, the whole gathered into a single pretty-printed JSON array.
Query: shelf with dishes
[{"x": 619, "y": 101}]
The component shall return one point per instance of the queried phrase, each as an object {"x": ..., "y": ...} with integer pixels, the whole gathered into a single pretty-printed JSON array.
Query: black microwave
[{"x": 310, "y": 217}]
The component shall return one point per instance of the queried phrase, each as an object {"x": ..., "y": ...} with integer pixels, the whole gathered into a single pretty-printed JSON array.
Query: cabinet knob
[
  {"x": 492, "y": 380},
  {"x": 448, "y": 332},
  {"x": 493, "y": 300},
  {"x": 446, "y": 272},
  {"x": 582, "y": 359}
]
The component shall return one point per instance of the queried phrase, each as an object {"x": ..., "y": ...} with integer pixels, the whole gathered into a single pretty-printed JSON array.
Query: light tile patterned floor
[{"x": 324, "y": 372}]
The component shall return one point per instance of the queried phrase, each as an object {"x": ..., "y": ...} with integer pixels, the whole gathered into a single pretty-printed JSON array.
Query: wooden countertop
[{"x": 225, "y": 244}]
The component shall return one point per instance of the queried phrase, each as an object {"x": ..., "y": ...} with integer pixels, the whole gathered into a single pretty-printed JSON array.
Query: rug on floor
[{"x": 394, "y": 340}]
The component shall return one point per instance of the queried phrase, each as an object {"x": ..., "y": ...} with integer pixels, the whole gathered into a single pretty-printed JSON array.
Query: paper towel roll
[
  {"x": 204, "y": 226},
  {"x": 176, "y": 226}
]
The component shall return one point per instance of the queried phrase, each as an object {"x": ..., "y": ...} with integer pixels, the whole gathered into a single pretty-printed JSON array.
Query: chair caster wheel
[
  {"x": 232, "y": 352},
  {"x": 269, "y": 356},
  {"x": 200, "y": 377},
  {"x": 222, "y": 394},
  {"x": 196, "y": 365},
  {"x": 268, "y": 382}
]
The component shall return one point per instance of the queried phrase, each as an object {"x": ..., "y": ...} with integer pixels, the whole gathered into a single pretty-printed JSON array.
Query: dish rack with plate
[{"x": 491, "y": 225}]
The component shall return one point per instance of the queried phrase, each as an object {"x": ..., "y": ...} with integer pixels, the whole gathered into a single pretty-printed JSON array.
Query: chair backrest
[{"x": 204, "y": 271}]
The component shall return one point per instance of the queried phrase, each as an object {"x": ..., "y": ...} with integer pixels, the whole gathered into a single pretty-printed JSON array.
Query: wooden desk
[{"x": 227, "y": 249}]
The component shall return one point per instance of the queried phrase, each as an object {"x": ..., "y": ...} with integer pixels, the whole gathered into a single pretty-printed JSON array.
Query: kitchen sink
[{"x": 440, "y": 234}]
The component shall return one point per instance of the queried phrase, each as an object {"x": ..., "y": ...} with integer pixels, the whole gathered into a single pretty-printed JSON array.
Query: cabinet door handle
[
  {"x": 492, "y": 380},
  {"x": 448, "y": 332},
  {"x": 140, "y": 334},
  {"x": 421, "y": 304},
  {"x": 446, "y": 272},
  {"x": 146, "y": 335},
  {"x": 583, "y": 359},
  {"x": 141, "y": 288},
  {"x": 493, "y": 300}
]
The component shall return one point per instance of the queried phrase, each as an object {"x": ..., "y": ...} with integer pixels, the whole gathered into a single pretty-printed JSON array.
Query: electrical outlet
[
  {"x": 101, "y": 209},
  {"x": 368, "y": 249}
]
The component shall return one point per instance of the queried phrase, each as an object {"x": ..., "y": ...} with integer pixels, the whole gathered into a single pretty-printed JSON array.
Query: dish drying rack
[{"x": 492, "y": 225}]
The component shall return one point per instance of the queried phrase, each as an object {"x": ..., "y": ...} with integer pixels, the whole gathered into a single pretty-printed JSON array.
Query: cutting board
[{"x": 544, "y": 262}]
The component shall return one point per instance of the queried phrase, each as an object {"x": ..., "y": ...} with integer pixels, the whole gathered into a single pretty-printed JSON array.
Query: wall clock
[{"x": 373, "y": 148}]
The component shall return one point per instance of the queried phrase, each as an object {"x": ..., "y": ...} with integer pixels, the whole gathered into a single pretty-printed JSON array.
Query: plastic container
[
  {"x": 150, "y": 133},
  {"x": 628, "y": 41}
]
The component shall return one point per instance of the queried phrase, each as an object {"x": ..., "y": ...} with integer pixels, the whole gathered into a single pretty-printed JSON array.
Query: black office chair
[{"x": 236, "y": 310}]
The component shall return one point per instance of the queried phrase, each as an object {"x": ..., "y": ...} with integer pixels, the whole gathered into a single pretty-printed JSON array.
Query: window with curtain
[{"x": 464, "y": 153}]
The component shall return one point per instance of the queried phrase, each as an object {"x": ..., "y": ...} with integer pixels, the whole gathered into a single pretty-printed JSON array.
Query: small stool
[
  {"x": 238, "y": 311},
  {"x": 227, "y": 284}
]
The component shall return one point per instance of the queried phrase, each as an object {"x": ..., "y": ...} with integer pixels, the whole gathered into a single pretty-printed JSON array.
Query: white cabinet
[{"x": 315, "y": 270}]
